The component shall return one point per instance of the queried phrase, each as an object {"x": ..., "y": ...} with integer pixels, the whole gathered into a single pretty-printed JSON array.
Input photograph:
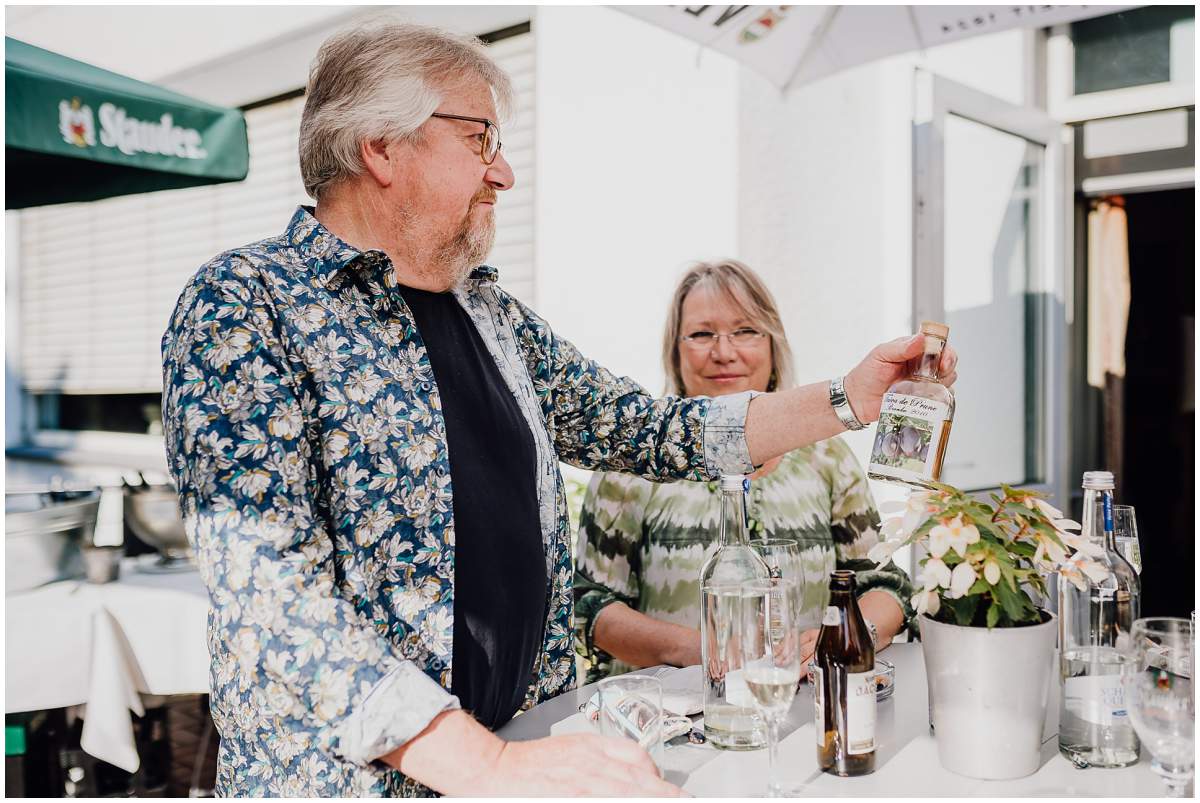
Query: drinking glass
[
  {"x": 770, "y": 640},
  {"x": 1157, "y": 682},
  {"x": 782, "y": 556},
  {"x": 631, "y": 708},
  {"x": 1126, "y": 535}
]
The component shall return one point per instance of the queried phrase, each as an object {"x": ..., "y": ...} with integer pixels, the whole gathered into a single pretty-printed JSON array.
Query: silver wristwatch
[
  {"x": 841, "y": 405},
  {"x": 874, "y": 632}
]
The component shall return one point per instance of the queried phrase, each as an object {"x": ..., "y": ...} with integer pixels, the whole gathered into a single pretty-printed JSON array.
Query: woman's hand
[
  {"x": 808, "y": 647},
  {"x": 884, "y": 366}
]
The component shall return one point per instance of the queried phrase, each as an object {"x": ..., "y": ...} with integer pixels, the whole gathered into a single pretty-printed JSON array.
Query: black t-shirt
[{"x": 499, "y": 560}]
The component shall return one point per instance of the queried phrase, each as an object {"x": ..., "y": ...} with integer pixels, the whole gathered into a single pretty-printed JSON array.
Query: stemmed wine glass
[
  {"x": 1159, "y": 697},
  {"x": 770, "y": 639},
  {"x": 1126, "y": 535}
]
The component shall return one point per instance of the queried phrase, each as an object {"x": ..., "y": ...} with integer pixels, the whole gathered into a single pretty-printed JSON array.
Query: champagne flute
[
  {"x": 770, "y": 640},
  {"x": 782, "y": 556},
  {"x": 1157, "y": 682}
]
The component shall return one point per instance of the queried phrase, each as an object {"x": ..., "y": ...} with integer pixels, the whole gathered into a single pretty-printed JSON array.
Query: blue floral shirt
[{"x": 305, "y": 435}]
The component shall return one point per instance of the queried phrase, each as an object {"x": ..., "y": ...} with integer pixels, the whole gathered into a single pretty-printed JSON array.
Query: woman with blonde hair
[{"x": 642, "y": 544}]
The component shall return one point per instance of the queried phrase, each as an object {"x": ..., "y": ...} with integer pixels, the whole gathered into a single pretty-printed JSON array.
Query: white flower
[
  {"x": 926, "y": 602},
  {"x": 991, "y": 572},
  {"x": 1051, "y": 512},
  {"x": 960, "y": 535},
  {"x": 936, "y": 574},
  {"x": 915, "y": 510},
  {"x": 1078, "y": 567},
  {"x": 1081, "y": 543},
  {"x": 952, "y": 534},
  {"x": 882, "y": 551},
  {"x": 1054, "y": 514},
  {"x": 961, "y": 580}
]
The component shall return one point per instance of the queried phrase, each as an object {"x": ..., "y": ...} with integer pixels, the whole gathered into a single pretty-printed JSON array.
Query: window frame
[{"x": 938, "y": 98}]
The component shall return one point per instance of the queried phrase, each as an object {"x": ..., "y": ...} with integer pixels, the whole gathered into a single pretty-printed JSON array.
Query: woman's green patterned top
[{"x": 643, "y": 543}]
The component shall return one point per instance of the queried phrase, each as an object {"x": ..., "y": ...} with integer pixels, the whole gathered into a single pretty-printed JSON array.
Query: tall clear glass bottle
[
  {"x": 1094, "y": 628},
  {"x": 914, "y": 420},
  {"x": 731, "y": 720}
]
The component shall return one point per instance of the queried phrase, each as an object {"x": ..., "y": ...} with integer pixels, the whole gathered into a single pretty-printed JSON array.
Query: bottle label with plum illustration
[{"x": 908, "y": 436}]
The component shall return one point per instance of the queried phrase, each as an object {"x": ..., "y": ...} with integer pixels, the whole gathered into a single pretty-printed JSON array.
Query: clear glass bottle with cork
[{"x": 915, "y": 419}]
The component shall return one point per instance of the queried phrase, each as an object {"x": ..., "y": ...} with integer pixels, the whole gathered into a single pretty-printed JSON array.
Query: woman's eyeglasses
[{"x": 741, "y": 338}]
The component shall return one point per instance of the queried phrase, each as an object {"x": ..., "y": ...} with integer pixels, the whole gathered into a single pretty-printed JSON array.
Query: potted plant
[{"x": 988, "y": 646}]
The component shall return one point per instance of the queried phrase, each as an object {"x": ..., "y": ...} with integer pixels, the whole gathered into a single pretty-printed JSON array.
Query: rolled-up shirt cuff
[
  {"x": 395, "y": 710},
  {"x": 725, "y": 447}
]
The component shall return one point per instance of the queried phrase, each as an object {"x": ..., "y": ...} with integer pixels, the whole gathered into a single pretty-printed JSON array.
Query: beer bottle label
[
  {"x": 833, "y": 617},
  {"x": 860, "y": 712}
]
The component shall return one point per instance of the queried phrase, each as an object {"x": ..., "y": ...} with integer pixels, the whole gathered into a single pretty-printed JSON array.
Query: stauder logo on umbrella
[{"x": 126, "y": 133}]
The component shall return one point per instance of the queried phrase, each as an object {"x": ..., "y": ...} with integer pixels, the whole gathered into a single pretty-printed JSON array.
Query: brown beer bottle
[{"x": 844, "y": 685}]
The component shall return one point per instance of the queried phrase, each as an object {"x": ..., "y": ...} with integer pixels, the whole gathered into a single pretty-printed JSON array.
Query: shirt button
[{"x": 426, "y": 386}]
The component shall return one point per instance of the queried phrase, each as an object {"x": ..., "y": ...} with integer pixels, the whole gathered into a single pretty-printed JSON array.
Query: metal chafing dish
[
  {"x": 152, "y": 514},
  {"x": 44, "y": 529}
]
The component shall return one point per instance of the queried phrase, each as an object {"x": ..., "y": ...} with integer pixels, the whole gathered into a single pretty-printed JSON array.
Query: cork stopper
[{"x": 936, "y": 329}]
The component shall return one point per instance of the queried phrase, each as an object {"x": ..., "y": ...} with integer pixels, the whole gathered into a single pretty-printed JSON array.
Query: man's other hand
[{"x": 572, "y": 765}]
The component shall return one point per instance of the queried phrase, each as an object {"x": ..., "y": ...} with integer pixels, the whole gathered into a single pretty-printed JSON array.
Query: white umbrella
[{"x": 792, "y": 45}]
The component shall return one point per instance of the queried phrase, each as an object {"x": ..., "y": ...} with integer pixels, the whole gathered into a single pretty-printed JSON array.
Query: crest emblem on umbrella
[
  {"x": 762, "y": 26},
  {"x": 76, "y": 123}
]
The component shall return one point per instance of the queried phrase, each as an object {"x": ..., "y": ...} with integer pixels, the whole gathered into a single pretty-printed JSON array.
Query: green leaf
[
  {"x": 993, "y": 615},
  {"x": 1049, "y": 532},
  {"x": 1016, "y": 603},
  {"x": 979, "y": 586},
  {"x": 1022, "y": 548},
  {"x": 964, "y": 609},
  {"x": 988, "y": 536},
  {"x": 1010, "y": 575}
]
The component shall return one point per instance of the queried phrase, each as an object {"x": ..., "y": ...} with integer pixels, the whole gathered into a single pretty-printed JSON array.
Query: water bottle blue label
[{"x": 1106, "y": 503}]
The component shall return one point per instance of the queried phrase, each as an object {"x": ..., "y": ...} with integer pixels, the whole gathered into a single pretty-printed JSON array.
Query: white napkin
[{"x": 683, "y": 691}]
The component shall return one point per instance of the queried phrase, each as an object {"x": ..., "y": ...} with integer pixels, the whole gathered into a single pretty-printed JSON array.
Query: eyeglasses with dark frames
[
  {"x": 741, "y": 338},
  {"x": 489, "y": 147}
]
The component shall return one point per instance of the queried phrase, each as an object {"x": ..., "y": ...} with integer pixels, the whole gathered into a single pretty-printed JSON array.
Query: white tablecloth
[
  {"x": 906, "y": 760},
  {"x": 102, "y": 646}
]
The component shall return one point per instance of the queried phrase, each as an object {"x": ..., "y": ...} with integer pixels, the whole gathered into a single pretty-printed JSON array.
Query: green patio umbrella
[{"x": 74, "y": 132}]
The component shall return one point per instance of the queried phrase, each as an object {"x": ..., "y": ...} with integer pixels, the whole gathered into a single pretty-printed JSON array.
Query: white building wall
[
  {"x": 825, "y": 189},
  {"x": 637, "y": 176}
]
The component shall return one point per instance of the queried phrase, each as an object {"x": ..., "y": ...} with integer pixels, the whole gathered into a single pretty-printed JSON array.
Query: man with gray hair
[{"x": 364, "y": 430}]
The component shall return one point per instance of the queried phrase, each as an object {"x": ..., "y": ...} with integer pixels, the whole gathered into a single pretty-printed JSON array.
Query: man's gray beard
[{"x": 466, "y": 250}]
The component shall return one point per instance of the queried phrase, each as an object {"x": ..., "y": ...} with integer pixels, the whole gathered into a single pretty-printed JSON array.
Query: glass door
[{"x": 990, "y": 243}]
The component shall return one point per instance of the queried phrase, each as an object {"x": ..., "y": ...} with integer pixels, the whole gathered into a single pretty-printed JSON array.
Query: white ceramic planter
[{"x": 988, "y": 692}]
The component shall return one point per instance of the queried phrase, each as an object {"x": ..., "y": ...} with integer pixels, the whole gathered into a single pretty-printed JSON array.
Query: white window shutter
[{"x": 99, "y": 280}]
